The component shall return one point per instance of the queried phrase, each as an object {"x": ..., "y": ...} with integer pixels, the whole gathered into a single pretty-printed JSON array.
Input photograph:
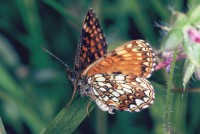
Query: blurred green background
[{"x": 34, "y": 87}]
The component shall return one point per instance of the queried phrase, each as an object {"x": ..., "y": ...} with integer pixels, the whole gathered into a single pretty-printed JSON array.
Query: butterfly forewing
[
  {"x": 135, "y": 58},
  {"x": 121, "y": 92},
  {"x": 92, "y": 44}
]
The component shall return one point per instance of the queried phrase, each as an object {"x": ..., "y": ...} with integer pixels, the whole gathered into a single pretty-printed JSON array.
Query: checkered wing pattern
[
  {"x": 133, "y": 58},
  {"x": 92, "y": 44},
  {"x": 118, "y": 79},
  {"x": 121, "y": 92}
]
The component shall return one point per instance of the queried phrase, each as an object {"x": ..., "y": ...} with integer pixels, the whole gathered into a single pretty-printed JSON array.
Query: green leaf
[
  {"x": 193, "y": 15},
  {"x": 192, "y": 3},
  {"x": 7, "y": 53},
  {"x": 2, "y": 130},
  {"x": 192, "y": 52},
  {"x": 69, "y": 118},
  {"x": 62, "y": 10},
  {"x": 178, "y": 19},
  {"x": 173, "y": 39},
  {"x": 189, "y": 68}
]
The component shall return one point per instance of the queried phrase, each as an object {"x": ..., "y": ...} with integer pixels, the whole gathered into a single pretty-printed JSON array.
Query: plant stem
[{"x": 167, "y": 114}]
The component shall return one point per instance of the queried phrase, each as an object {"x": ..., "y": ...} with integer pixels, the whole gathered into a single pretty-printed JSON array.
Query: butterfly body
[{"x": 115, "y": 80}]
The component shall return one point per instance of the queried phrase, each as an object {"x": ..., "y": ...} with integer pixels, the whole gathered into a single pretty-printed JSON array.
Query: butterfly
[{"x": 115, "y": 80}]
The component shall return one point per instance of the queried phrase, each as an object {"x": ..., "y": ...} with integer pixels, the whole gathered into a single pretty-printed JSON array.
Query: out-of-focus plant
[{"x": 182, "y": 42}]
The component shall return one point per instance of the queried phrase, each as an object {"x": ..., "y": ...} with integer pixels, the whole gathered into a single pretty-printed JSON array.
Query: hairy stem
[{"x": 169, "y": 97}]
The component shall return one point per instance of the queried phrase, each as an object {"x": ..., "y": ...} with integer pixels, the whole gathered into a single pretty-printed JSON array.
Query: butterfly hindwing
[
  {"x": 121, "y": 92},
  {"x": 92, "y": 44}
]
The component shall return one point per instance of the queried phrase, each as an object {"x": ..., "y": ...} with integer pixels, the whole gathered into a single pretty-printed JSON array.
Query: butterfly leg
[
  {"x": 88, "y": 105},
  {"x": 71, "y": 97}
]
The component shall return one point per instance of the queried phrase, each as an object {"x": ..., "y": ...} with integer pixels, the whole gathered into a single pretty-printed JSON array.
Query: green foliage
[
  {"x": 34, "y": 90},
  {"x": 2, "y": 130},
  {"x": 69, "y": 119}
]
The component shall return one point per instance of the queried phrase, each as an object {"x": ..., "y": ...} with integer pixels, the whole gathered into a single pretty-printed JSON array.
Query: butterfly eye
[{"x": 71, "y": 76}]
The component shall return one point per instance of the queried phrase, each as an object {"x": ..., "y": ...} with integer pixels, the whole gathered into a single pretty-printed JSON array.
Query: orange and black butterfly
[{"x": 115, "y": 80}]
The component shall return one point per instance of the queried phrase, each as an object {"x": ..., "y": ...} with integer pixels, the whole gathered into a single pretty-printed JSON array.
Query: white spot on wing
[
  {"x": 144, "y": 85},
  {"x": 132, "y": 106},
  {"x": 100, "y": 79},
  {"x": 102, "y": 89},
  {"x": 116, "y": 94},
  {"x": 104, "y": 107},
  {"x": 139, "y": 54},
  {"x": 127, "y": 90},
  {"x": 148, "y": 59},
  {"x": 138, "y": 79},
  {"x": 145, "y": 99},
  {"x": 108, "y": 85},
  {"x": 115, "y": 99},
  {"x": 144, "y": 49},
  {"x": 139, "y": 58},
  {"x": 100, "y": 84},
  {"x": 95, "y": 92},
  {"x": 147, "y": 44},
  {"x": 152, "y": 102},
  {"x": 137, "y": 110},
  {"x": 90, "y": 80},
  {"x": 106, "y": 98},
  {"x": 120, "y": 81},
  {"x": 120, "y": 91},
  {"x": 145, "y": 106},
  {"x": 129, "y": 45},
  {"x": 122, "y": 52},
  {"x": 147, "y": 92},
  {"x": 148, "y": 75},
  {"x": 127, "y": 56},
  {"x": 139, "y": 44},
  {"x": 126, "y": 86},
  {"x": 134, "y": 83},
  {"x": 98, "y": 75},
  {"x": 138, "y": 102},
  {"x": 134, "y": 50},
  {"x": 146, "y": 63},
  {"x": 119, "y": 77},
  {"x": 101, "y": 105},
  {"x": 153, "y": 95}
]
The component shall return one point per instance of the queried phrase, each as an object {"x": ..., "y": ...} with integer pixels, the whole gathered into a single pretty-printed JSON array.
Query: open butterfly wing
[
  {"x": 133, "y": 58},
  {"x": 121, "y": 92},
  {"x": 92, "y": 44}
]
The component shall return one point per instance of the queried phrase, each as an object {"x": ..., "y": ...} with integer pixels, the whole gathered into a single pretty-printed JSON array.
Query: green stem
[{"x": 167, "y": 116}]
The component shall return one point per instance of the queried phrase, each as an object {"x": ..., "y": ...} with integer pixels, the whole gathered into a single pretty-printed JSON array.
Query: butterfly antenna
[{"x": 44, "y": 49}]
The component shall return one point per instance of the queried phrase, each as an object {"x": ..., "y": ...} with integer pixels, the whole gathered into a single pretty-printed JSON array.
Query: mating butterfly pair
[{"x": 114, "y": 80}]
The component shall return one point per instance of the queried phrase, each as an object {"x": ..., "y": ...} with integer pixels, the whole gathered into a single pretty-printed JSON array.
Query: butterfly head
[
  {"x": 79, "y": 82},
  {"x": 83, "y": 86}
]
